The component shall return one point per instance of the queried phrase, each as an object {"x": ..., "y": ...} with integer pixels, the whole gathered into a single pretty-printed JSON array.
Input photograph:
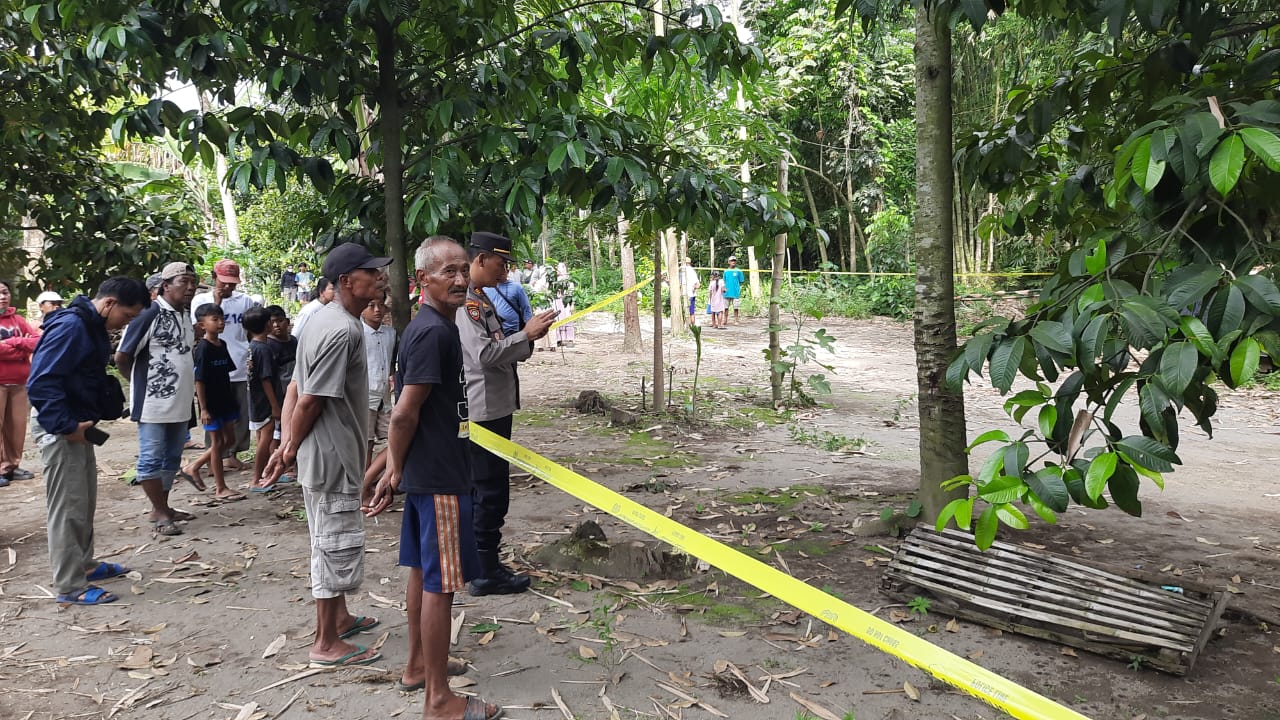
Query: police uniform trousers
[{"x": 491, "y": 494}]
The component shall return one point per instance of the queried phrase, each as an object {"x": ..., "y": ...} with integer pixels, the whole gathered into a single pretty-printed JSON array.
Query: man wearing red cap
[{"x": 226, "y": 276}]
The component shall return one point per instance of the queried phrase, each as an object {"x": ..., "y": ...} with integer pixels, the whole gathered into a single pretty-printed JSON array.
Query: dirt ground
[{"x": 215, "y": 623}]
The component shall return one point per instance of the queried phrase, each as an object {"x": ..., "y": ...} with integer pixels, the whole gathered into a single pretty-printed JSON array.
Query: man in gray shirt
[
  {"x": 325, "y": 428},
  {"x": 493, "y": 396}
]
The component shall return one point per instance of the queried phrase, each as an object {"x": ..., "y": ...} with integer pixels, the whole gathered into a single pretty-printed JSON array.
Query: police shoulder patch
[{"x": 473, "y": 311}]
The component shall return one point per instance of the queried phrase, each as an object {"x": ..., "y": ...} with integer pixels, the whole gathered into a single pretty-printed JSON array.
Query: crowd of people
[{"x": 339, "y": 404}]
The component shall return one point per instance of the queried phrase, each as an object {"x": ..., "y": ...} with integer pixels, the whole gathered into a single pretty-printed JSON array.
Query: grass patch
[
  {"x": 812, "y": 548},
  {"x": 743, "y": 611},
  {"x": 537, "y": 418},
  {"x": 780, "y": 498}
]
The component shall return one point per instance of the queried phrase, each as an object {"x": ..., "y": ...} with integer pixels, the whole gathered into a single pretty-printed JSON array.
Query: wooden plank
[
  {"x": 1080, "y": 607},
  {"x": 1100, "y": 570},
  {"x": 1110, "y": 599},
  {"x": 1210, "y": 626},
  {"x": 1143, "y": 592},
  {"x": 937, "y": 583},
  {"x": 1165, "y": 660}
]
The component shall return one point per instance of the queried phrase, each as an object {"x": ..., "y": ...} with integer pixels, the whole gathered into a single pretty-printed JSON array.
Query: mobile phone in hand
[{"x": 96, "y": 436}]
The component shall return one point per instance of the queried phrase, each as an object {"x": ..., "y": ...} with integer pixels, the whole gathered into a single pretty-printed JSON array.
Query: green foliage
[
  {"x": 1168, "y": 183},
  {"x": 281, "y": 230},
  {"x": 802, "y": 351},
  {"x": 889, "y": 240},
  {"x": 919, "y": 605}
]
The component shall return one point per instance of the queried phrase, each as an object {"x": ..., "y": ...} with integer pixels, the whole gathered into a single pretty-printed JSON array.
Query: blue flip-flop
[
  {"x": 105, "y": 571},
  {"x": 258, "y": 489},
  {"x": 91, "y": 595}
]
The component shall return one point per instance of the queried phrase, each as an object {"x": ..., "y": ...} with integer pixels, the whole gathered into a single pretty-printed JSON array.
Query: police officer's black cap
[
  {"x": 348, "y": 257},
  {"x": 493, "y": 243}
]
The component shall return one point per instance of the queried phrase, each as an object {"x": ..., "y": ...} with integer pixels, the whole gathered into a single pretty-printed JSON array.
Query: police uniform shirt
[{"x": 490, "y": 357}]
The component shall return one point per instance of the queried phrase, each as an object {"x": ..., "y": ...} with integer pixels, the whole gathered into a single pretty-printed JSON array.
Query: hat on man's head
[
  {"x": 154, "y": 281},
  {"x": 733, "y": 259},
  {"x": 348, "y": 257},
  {"x": 48, "y": 296},
  {"x": 492, "y": 243},
  {"x": 227, "y": 271},
  {"x": 178, "y": 269}
]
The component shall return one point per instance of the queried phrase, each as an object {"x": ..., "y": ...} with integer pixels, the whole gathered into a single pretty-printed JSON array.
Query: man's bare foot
[
  {"x": 233, "y": 464},
  {"x": 454, "y": 708},
  {"x": 343, "y": 653},
  {"x": 229, "y": 495}
]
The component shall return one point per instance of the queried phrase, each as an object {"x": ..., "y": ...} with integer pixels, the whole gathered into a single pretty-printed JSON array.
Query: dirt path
[{"x": 188, "y": 638}]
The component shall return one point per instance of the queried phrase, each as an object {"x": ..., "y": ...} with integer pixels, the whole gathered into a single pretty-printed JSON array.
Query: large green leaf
[
  {"x": 1147, "y": 170},
  {"x": 1123, "y": 488},
  {"x": 1053, "y": 335},
  {"x": 1260, "y": 292},
  {"x": 1004, "y": 362},
  {"x": 1148, "y": 453},
  {"x": 985, "y": 532},
  {"x": 1226, "y": 164},
  {"x": 1005, "y": 488},
  {"x": 1199, "y": 335},
  {"x": 1048, "y": 486},
  {"x": 1244, "y": 361},
  {"x": 1100, "y": 470},
  {"x": 1178, "y": 366},
  {"x": 1010, "y": 515},
  {"x": 1264, "y": 144}
]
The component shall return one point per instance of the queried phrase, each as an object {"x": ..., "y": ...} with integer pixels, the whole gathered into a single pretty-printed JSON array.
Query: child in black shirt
[
  {"x": 266, "y": 392},
  {"x": 218, "y": 407}
]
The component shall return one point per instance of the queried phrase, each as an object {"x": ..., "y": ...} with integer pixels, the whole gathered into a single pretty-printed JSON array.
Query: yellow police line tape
[
  {"x": 973, "y": 679},
  {"x": 769, "y": 271},
  {"x": 611, "y": 299}
]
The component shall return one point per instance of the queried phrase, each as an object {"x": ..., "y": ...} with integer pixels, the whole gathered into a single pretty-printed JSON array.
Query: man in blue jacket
[{"x": 71, "y": 392}]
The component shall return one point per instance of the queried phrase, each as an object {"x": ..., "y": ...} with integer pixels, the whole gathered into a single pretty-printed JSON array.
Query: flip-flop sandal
[
  {"x": 196, "y": 482},
  {"x": 91, "y": 595},
  {"x": 348, "y": 659},
  {"x": 231, "y": 498},
  {"x": 265, "y": 488},
  {"x": 105, "y": 571},
  {"x": 166, "y": 528},
  {"x": 360, "y": 626},
  {"x": 181, "y": 515},
  {"x": 285, "y": 479},
  {"x": 456, "y": 666},
  {"x": 476, "y": 710}
]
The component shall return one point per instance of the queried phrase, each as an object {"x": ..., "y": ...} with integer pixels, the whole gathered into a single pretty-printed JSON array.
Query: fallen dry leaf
[
  {"x": 953, "y": 626},
  {"x": 139, "y": 659},
  {"x": 732, "y": 633},
  {"x": 485, "y": 639},
  {"x": 826, "y": 683},
  {"x": 586, "y": 653},
  {"x": 275, "y": 646},
  {"x": 1207, "y": 542},
  {"x": 814, "y": 708},
  {"x": 911, "y": 691},
  {"x": 1068, "y": 652},
  {"x": 976, "y": 654},
  {"x": 1236, "y": 579},
  {"x": 460, "y": 681},
  {"x": 155, "y": 628}
]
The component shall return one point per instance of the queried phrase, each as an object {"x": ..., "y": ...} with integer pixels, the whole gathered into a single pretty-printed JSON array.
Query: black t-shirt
[
  {"x": 214, "y": 368},
  {"x": 286, "y": 356},
  {"x": 262, "y": 366},
  {"x": 438, "y": 462}
]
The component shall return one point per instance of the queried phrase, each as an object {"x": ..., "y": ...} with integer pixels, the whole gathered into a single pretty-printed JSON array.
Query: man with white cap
[
  {"x": 226, "y": 276},
  {"x": 49, "y": 302},
  {"x": 733, "y": 279},
  {"x": 156, "y": 357}
]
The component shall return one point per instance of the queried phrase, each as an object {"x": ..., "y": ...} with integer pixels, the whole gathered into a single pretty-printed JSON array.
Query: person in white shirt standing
[
  {"x": 156, "y": 357},
  {"x": 380, "y": 353},
  {"x": 226, "y": 277},
  {"x": 324, "y": 296}
]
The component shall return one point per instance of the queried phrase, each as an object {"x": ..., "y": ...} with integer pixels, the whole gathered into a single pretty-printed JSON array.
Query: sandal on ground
[
  {"x": 166, "y": 527},
  {"x": 348, "y": 659},
  {"x": 105, "y": 571},
  {"x": 233, "y": 497},
  {"x": 256, "y": 489},
  {"x": 195, "y": 480},
  {"x": 476, "y": 710},
  {"x": 181, "y": 515},
  {"x": 21, "y": 474},
  {"x": 362, "y": 624},
  {"x": 91, "y": 595},
  {"x": 456, "y": 666}
]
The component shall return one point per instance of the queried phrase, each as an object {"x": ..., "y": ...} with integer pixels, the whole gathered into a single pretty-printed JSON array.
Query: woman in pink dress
[{"x": 715, "y": 301}]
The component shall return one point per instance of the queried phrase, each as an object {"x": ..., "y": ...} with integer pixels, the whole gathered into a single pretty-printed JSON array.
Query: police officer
[{"x": 493, "y": 395}]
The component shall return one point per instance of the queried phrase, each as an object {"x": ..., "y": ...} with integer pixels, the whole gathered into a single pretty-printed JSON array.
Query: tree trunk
[
  {"x": 591, "y": 247},
  {"x": 753, "y": 272},
  {"x": 390, "y": 125},
  {"x": 631, "y": 342},
  {"x": 813, "y": 210},
  {"x": 229, "y": 232},
  {"x": 659, "y": 367},
  {"x": 942, "y": 426},
  {"x": 776, "y": 376},
  {"x": 677, "y": 294}
]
